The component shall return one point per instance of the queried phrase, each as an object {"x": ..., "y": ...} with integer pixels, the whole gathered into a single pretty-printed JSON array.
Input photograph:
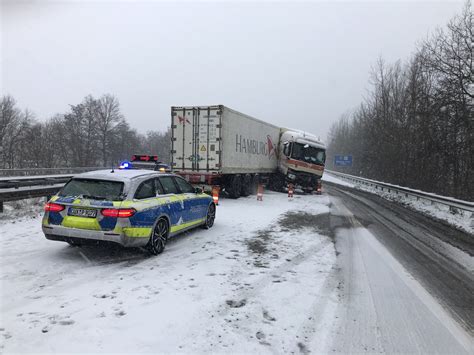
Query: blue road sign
[{"x": 343, "y": 160}]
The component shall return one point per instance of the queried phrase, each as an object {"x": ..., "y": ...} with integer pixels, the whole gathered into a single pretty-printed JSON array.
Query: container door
[
  {"x": 183, "y": 155},
  {"x": 208, "y": 140}
]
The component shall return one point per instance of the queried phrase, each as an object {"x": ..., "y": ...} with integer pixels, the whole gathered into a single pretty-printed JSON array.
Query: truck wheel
[
  {"x": 278, "y": 184},
  {"x": 159, "y": 237},
  {"x": 235, "y": 186},
  {"x": 254, "y": 185},
  {"x": 246, "y": 185}
]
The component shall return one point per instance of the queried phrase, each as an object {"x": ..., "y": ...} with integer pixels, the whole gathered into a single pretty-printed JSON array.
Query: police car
[{"x": 135, "y": 208}]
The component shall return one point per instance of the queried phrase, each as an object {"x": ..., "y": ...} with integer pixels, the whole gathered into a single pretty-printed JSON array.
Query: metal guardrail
[
  {"x": 13, "y": 194},
  {"x": 19, "y": 184},
  {"x": 22, "y": 181},
  {"x": 24, "y": 193},
  {"x": 45, "y": 171},
  {"x": 451, "y": 202}
]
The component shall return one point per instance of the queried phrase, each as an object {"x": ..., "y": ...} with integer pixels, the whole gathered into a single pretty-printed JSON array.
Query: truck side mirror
[
  {"x": 197, "y": 190},
  {"x": 286, "y": 148}
]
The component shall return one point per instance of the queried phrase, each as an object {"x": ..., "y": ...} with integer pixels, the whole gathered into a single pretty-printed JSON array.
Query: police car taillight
[
  {"x": 53, "y": 207},
  {"x": 118, "y": 213}
]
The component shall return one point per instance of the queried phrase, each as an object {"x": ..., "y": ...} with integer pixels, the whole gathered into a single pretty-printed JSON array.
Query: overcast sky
[{"x": 297, "y": 65}]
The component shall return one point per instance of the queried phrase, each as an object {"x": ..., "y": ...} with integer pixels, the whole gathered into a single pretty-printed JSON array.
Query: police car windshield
[
  {"x": 308, "y": 154},
  {"x": 93, "y": 189}
]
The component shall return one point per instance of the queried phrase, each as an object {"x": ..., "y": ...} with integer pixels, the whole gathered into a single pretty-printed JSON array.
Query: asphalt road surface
[{"x": 408, "y": 281}]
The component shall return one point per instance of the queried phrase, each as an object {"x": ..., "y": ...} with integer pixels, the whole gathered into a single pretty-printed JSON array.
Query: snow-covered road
[
  {"x": 278, "y": 276},
  {"x": 384, "y": 309},
  {"x": 252, "y": 283}
]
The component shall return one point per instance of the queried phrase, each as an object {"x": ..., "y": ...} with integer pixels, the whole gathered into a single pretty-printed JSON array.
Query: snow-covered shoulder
[
  {"x": 246, "y": 285},
  {"x": 460, "y": 219}
]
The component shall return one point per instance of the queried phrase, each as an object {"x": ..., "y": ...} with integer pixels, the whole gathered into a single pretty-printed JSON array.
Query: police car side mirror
[{"x": 197, "y": 190}]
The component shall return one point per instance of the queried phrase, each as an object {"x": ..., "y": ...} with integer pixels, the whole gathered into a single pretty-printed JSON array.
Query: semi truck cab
[{"x": 302, "y": 159}]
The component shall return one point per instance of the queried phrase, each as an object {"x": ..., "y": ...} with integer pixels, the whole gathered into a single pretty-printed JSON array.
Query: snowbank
[
  {"x": 21, "y": 208},
  {"x": 460, "y": 219}
]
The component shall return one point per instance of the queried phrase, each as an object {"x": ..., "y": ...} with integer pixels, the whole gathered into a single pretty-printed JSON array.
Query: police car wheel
[
  {"x": 211, "y": 216},
  {"x": 158, "y": 239}
]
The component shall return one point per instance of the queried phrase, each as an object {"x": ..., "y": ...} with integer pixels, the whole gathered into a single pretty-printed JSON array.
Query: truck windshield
[
  {"x": 308, "y": 154},
  {"x": 93, "y": 189}
]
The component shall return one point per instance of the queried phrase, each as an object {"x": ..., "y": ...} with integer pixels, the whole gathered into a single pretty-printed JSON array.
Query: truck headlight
[{"x": 291, "y": 176}]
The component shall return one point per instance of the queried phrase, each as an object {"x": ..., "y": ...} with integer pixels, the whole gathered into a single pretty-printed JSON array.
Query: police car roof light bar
[{"x": 147, "y": 158}]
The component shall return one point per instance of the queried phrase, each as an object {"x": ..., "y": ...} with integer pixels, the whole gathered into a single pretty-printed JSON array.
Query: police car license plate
[{"x": 82, "y": 212}]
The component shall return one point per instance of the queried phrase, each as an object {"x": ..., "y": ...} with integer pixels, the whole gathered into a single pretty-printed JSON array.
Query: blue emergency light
[{"x": 125, "y": 165}]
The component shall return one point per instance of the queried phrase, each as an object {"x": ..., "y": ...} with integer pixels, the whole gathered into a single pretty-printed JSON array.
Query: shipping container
[
  {"x": 219, "y": 140},
  {"x": 215, "y": 145}
]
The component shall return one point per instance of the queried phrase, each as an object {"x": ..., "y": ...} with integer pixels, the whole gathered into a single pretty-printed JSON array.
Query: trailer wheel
[
  {"x": 278, "y": 183},
  {"x": 246, "y": 185},
  {"x": 235, "y": 186}
]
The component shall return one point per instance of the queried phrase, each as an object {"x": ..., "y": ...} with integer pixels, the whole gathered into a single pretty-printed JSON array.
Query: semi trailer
[{"x": 215, "y": 145}]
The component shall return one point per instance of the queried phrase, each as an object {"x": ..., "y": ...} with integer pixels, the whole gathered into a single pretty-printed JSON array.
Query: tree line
[
  {"x": 415, "y": 127},
  {"x": 91, "y": 133}
]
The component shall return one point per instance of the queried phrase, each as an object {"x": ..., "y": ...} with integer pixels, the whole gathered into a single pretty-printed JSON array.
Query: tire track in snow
[
  {"x": 246, "y": 304},
  {"x": 283, "y": 268},
  {"x": 317, "y": 313}
]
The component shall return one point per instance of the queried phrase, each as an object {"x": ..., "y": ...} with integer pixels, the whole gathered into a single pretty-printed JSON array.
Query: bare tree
[
  {"x": 13, "y": 127},
  {"x": 108, "y": 116},
  {"x": 9, "y": 120},
  {"x": 92, "y": 133},
  {"x": 158, "y": 143},
  {"x": 416, "y": 126}
]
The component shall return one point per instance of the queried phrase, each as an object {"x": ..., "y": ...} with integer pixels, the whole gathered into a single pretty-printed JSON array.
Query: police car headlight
[{"x": 291, "y": 176}]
